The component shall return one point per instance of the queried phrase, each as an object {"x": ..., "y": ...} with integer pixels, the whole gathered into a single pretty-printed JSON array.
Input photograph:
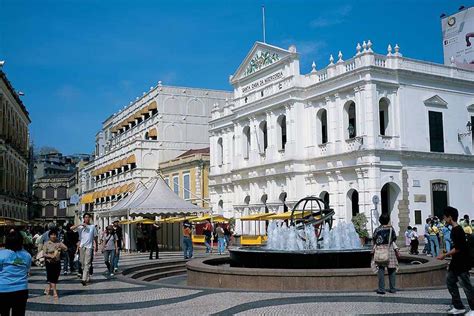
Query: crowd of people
[{"x": 437, "y": 235}]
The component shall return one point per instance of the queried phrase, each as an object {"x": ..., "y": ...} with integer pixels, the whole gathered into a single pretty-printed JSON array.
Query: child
[{"x": 414, "y": 241}]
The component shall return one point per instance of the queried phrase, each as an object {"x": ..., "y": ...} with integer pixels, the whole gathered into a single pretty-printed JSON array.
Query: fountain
[
  {"x": 309, "y": 252},
  {"x": 308, "y": 242}
]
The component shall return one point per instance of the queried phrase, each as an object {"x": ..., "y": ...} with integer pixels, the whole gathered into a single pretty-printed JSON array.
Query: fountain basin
[
  {"x": 217, "y": 273},
  {"x": 259, "y": 257}
]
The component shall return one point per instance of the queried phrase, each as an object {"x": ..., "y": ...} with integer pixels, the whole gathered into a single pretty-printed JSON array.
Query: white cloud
[
  {"x": 333, "y": 17},
  {"x": 306, "y": 48}
]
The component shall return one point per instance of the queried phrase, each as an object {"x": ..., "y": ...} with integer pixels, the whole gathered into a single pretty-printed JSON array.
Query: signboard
[
  {"x": 261, "y": 82},
  {"x": 74, "y": 199},
  {"x": 458, "y": 38},
  {"x": 62, "y": 204}
]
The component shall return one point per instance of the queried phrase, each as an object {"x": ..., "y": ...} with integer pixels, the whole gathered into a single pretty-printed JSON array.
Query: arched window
[
  {"x": 281, "y": 132},
  {"x": 282, "y": 198},
  {"x": 263, "y": 137},
  {"x": 350, "y": 120},
  {"x": 246, "y": 142},
  {"x": 322, "y": 131},
  {"x": 383, "y": 116},
  {"x": 49, "y": 193},
  {"x": 220, "y": 206},
  {"x": 220, "y": 152},
  {"x": 49, "y": 210},
  {"x": 62, "y": 193},
  {"x": 353, "y": 201},
  {"x": 38, "y": 192}
]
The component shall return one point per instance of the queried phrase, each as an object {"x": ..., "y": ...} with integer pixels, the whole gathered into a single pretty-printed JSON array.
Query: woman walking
[
  {"x": 52, "y": 253},
  {"x": 385, "y": 255},
  {"x": 109, "y": 248},
  {"x": 15, "y": 265}
]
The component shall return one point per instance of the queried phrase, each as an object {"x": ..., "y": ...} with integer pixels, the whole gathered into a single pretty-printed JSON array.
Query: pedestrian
[
  {"x": 466, "y": 225},
  {"x": 87, "y": 246},
  {"x": 70, "y": 240},
  {"x": 220, "y": 239},
  {"x": 15, "y": 264},
  {"x": 433, "y": 232},
  {"x": 385, "y": 237},
  {"x": 109, "y": 248},
  {"x": 426, "y": 235},
  {"x": 208, "y": 235},
  {"x": 52, "y": 253},
  {"x": 447, "y": 236},
  {"x": 154, "y": 247},
  {"x": 140, "y": 238},
  {"x": 459, "y": 266},
  {"x": 227, "y": 235},
  {"x": 414, "y": 241},
  {"x": 120, "y": 245},
  {"x": 407, "y": 236},
  {"x": 187, "y": 240}
]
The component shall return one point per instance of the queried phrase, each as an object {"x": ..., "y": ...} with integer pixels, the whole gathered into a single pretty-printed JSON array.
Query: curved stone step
[
  {"x": 160, "y": 275},
  {"x": 154, "y": 270}
]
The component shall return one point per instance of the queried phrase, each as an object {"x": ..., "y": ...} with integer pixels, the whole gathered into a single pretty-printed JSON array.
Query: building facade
[
  {"x": 52, "y": 193},
  {"x": 162, "y": 124},
  {"x": 373, "y": 125},
  {"x": 14, "y": 152},
  {"x": 188, "y": 176}
]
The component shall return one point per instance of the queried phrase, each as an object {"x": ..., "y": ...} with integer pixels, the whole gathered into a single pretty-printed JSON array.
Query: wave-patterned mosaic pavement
[{"x": 119, "y": 296}]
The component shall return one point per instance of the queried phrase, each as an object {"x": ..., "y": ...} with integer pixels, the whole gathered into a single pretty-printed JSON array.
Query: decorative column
[
  {"x": 369, "y": 98},
  {"x": 403, "y": 205}
]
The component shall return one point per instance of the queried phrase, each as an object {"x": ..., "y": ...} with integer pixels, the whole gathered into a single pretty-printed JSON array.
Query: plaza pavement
[{"x": 120, "y": 296}]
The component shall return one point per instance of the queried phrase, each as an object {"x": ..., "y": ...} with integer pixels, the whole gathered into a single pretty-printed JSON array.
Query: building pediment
[
  {"x": 437, "y": 101},
  {"x": 261, "y": 56}
]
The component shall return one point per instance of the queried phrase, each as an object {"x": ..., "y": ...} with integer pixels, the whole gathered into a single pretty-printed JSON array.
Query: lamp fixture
[{"x": 467, "y": 133}]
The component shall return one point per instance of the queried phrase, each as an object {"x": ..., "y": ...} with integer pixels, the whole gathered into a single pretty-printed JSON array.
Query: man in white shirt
[{"x": 88, "y": 243}]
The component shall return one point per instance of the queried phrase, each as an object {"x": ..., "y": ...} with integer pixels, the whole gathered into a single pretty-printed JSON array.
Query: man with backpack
[{"x": 460, "y": 264}]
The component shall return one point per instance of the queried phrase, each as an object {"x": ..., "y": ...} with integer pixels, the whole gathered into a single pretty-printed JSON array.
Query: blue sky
[{"x": 80, "y": 61}]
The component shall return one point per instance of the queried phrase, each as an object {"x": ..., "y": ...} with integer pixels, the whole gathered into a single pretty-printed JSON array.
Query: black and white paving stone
[{"x": 120, "y": 296}]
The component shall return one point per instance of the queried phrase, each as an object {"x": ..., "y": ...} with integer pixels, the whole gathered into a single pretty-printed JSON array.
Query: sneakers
[
  {"x": 84, "y": 283},
  {"x": 380, "y": 292},
  {"x": 115, "y": 270},
  {"x": 111, "y": 274},
  {"x": 455, "y": 311}
]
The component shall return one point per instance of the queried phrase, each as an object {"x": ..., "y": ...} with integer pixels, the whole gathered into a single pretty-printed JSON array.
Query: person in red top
[{"x": 207, "y": 235}]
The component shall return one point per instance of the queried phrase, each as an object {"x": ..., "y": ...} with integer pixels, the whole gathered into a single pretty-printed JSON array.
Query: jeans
[
  {"x": 86, "y": 262},
  {"x": 434, "y": 245},
  {"x": 452, "y": 280},
  {"x": 188, "y": 247},
  {"x": 391, "y": 278},
  {"x": 221, "y": 244},
  {"x": 116, "y": 259},
  {"x": 109, "y": 260},
  {"x": 448, "y": 244},
  {"x": 227, "y": 241},
  {"x": 207, "y": 242}
]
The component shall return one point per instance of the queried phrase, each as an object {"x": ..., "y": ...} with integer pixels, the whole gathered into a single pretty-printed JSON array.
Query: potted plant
[{"x": 360, "y": 225}]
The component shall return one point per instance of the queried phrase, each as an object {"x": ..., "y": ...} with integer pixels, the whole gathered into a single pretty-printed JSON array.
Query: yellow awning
[
  {"x": 152, "y": 106},
  {"x": 215, "y": 218},
  {"x": 152, "y": 133},
  {"x": 87, "y": 198},
  {"x": 285, "y": 215},
  {"x": 144, "y": 110},
  {"x": 257, "y": 217},
  {"x": 131, "y": 159},
  {"x": 124, "y": 221},
  {"x": 131, "y": 187},
  {"x": 180, "y": 219},
  {"x": 123, "y": 188}
]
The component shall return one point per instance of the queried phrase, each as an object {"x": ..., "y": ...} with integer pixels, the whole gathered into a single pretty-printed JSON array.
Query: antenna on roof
[{"x": 263, "y": 23}]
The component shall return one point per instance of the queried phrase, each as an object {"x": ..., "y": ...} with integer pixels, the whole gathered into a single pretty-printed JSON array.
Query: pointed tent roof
[
  {"x": 156, "y": 198},
  {"x": 121, "y": 207},
  {"x": 257, "y": 50}
]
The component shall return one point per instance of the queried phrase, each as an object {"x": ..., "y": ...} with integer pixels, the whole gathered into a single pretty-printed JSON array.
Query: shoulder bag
[{"x": 382, "y": 252}]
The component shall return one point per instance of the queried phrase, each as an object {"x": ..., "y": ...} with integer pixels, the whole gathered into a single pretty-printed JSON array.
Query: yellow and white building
[{"x": 133, "y": 143}]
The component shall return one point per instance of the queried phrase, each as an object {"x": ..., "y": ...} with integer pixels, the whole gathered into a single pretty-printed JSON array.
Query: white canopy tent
[{"x": 152, "y": 198}]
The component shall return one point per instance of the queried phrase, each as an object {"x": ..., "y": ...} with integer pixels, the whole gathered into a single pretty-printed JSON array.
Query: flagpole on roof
[{"x": 263, "y": 23}]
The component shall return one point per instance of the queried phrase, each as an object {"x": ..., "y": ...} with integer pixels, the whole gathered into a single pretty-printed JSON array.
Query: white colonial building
[
  {"x": 371, "y": 125},
  {"x": 162, "y": 124}
]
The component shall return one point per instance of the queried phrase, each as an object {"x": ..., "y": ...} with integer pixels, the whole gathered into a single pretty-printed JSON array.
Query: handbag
[{"x": 382, "y": 252}]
